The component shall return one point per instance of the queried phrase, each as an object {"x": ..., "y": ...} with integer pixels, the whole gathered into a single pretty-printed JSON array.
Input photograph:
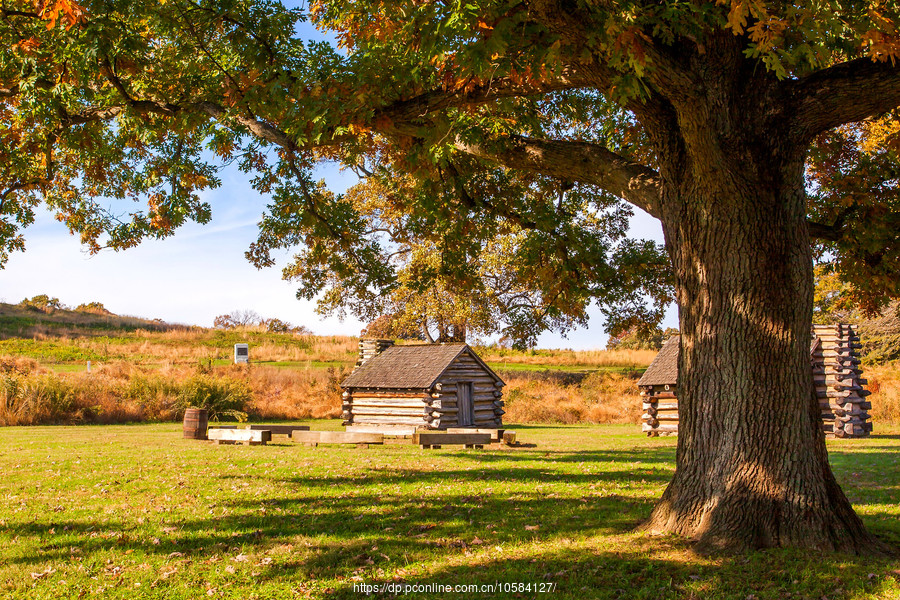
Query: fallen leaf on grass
[
  {"x": 44, "y": 573},
  {"x": 240, "y": 558},
  {"x": 532, "y": 527}
]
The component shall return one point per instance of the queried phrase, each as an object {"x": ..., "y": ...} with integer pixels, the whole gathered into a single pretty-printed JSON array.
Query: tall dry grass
[
  {"x": 884, "y": 383},
  {"x": 193, "y": 345},
  {"x": 591, "y": 358},
  {"x": 548, "y": 398},
  {"x": 296, "y": 393},
  {"x": 125, "y": 392}
]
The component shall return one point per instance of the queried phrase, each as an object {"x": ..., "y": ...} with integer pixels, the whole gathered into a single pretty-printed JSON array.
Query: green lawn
[{"x": 138, "y": 512}]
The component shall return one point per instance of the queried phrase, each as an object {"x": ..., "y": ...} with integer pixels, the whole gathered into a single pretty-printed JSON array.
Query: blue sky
[{"x": 201, "y": 271}]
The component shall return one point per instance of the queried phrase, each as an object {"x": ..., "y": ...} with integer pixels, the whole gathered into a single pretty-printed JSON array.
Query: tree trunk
[{"x": 752, "y": 468}]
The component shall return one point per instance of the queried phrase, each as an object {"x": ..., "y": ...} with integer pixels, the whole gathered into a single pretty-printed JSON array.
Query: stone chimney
[{"x": 369, "y": 347}]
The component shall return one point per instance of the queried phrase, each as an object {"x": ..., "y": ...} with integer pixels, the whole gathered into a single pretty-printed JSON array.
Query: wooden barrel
[{"x": 195, "y": 422}]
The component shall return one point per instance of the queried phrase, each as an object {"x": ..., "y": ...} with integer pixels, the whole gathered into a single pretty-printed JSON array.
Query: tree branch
[
  {"x": 834, "y": 232},
  {"x": 845, "y": 93},
  {"x": 570, "y": 78},
  {"x": 577, "y": 161}
]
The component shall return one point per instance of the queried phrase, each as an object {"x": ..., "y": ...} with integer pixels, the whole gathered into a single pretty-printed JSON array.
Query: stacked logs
[
  {"x": 439, "y": 406},
  {"x": 838, "y": 379},
  {"x": 369, "y": 347},
  {"x": 660, "y": 410},
  {"x": 839, "y": 383}
]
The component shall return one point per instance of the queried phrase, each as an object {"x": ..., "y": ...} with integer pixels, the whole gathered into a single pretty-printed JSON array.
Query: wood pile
[
  {"x": 840, "y": 387},
  {"x": 839, "y": 382}
]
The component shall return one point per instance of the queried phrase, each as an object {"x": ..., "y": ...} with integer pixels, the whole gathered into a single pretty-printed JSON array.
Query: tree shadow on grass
[
  {"x": 339, "y": 525},
  {"x": 648, "y": 570},
  {"x": 632, "y": 455},
  {"x": 461, "y": 525}
]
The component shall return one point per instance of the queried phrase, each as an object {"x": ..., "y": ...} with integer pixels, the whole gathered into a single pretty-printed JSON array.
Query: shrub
[
  {"x": 220, "y": 396},
  {"x": 18, "y": 364},
  {"x": 95, "y": 308},
  {"x": 277, "y": 326},
  {"x": 42, "y": 302},
  {"x": 29, "y": 399}
]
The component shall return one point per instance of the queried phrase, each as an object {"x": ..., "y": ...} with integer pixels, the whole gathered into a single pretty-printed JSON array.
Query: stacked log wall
[
  {"x": 435, "y": 408},
  {"x": 838, "y": 379},
  {"x": 660, "y": 407},
  {"x": 383, "y": 407},
  {"x": 839, "y": 382},
  {"x": 369, "y": 347},
  {"x": 487, "y": 395}
]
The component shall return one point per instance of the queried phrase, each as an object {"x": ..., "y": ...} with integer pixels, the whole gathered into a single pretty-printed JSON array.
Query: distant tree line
[{"x": 247, "y": 319}]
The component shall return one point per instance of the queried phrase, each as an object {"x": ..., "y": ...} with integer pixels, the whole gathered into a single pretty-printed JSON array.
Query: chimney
[{"x": 369, "y": 347}]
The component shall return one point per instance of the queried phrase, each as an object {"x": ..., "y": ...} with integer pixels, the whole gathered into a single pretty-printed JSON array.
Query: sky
[{"x": 201, "y": 272}]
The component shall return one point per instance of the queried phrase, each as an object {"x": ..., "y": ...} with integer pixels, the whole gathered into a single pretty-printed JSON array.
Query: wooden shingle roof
[
  {"x": 409, "y": 367},
  {"x": 664, "y": 368}
]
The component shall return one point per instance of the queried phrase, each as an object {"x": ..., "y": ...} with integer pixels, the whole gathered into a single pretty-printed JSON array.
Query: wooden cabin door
[{"x": 464, "y": 404}]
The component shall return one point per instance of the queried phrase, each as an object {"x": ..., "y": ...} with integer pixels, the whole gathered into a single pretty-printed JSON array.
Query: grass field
[{"x": 138, "y": 512}]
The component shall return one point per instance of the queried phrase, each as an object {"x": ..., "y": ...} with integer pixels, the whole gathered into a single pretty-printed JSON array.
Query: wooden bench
[
  {"x": 248, "y": 437},
  {"x": 434, "y": 439},
  {"x": 498, "y": 436},
  {"x": 287, "y": 430},
  {"x": 274, "y": 429},
  {"x": 314, "y": 438}
]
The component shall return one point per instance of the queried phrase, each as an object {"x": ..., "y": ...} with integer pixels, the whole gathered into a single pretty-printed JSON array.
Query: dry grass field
[{"x": 143, "y": 371}]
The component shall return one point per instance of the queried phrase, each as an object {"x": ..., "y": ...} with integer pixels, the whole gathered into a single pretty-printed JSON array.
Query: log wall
[
  {"x": 660, "y": 404},
  {"x": 838, "y": 379},
  {"x": 487, "y": 395},
  {"x": 383, "y": 407},
  {"x": 839, "y": 382}
]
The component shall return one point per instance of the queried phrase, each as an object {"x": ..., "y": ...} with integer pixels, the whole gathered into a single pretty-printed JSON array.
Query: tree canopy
[
  {"x": 109, "y": 105},
  {"x": 537, "y": 121}
]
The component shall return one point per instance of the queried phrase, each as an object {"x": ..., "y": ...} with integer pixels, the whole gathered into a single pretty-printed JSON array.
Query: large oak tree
[{"x": 699, "y": 113}]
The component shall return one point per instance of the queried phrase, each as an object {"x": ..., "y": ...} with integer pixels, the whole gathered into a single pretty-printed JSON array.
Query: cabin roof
[
  {"x": 414, "y": 366},
  {"x": 664, "y": 368}
]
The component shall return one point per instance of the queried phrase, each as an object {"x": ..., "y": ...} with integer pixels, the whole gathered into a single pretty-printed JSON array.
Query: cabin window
[{"x": 464, "y": 405}]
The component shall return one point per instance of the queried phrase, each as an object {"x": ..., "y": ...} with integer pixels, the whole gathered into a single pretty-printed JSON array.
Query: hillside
[
  {"x": 60, "y": 337},
  {"x": 18, "y": 320}
]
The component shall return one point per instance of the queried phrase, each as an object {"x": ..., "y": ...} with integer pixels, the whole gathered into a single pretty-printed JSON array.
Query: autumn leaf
[{"x": 65, "y": 11}]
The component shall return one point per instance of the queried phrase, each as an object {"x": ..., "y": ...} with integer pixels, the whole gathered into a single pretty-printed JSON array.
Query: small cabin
[
  {"x": 400, "y": 389},
  {"x": 658, "y": 388},
  {"x": 834, "y": 360}
]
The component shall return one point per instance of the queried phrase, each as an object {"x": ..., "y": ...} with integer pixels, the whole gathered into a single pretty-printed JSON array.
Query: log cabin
[
  {"x": 834, "y": 361},
  {"x": 658, "y": 388},
  {"x": 401, "y": 389}
]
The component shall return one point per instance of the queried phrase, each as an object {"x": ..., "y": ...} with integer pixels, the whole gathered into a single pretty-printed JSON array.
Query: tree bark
[{"x": 752, "y": 468}]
